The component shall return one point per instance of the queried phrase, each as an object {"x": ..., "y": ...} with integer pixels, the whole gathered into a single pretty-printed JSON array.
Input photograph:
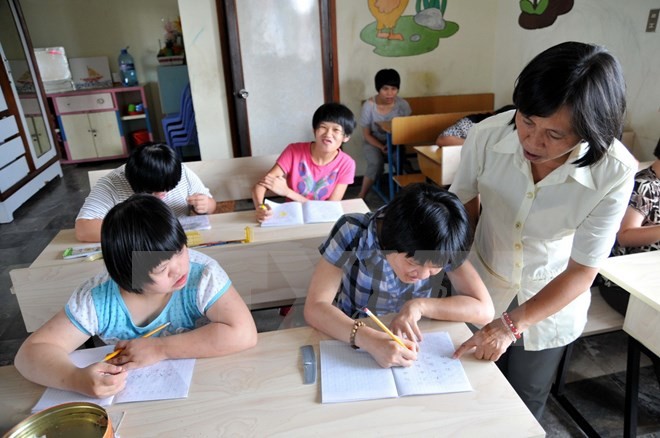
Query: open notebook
[
  {"x": 352, "y": 375},
  {"x": 298, "y": 213},
  {"x": 166, "y": 379}
]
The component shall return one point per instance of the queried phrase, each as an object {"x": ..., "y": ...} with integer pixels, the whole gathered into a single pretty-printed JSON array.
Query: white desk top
[
  {"x": 639, "y": 274},
  {"x": 260, "y": 392},
  {"x": 224, "y": 226}
]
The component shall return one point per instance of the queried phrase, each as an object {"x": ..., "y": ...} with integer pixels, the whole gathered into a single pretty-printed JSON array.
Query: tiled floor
[{"x": 597, "y": 376}]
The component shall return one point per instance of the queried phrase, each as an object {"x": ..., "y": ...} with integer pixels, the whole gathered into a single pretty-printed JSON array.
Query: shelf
[{"x": 135, "y": 117}]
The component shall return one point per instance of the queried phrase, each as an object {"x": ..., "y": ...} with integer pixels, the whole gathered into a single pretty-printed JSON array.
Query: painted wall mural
[
  {"x": 537, "y": 14},
  {"x": 394, "y": 34}
]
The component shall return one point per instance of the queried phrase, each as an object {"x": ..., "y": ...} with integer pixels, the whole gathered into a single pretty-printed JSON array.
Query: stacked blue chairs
[{"x": 180, "y": 129}]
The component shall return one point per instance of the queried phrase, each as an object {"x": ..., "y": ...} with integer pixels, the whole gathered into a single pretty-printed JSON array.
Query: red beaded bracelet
[{"x": 506, "y": 319}]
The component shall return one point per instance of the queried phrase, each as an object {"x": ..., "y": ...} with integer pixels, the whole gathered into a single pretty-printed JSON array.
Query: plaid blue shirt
[{"x": 353, "y": 246}]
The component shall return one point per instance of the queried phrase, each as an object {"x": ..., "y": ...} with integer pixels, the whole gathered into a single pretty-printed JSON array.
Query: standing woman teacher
[{"x": 546, "y": 186}]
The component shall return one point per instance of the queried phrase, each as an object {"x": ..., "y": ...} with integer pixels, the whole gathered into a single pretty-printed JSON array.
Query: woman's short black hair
[
  {"x": 589, "y": 81},
  {"x": 153, "y": 168},
  {"x": 387, "y": 76},
  {"x": 427, "y": 223},
  {"x": 656, "y": 152},
  {"x": 136, "y": 236},
  {"x": 478, "y": 117},
  {"x": 334, "y": 113}
]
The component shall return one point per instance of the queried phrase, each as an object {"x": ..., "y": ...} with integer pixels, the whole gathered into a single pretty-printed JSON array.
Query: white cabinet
[
  {"x": 98, "y": 124},
  {"x": 28, "y": 156},
  {"x": 92, "y": 135},
  {"x": 84, "y": 102}
]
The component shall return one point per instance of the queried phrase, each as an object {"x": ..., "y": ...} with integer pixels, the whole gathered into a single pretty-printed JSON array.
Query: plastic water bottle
[{"x": 127, "y": 69}]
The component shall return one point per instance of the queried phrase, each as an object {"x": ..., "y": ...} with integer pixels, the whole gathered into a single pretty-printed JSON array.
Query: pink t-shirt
[{"x": 311, "y": 180}]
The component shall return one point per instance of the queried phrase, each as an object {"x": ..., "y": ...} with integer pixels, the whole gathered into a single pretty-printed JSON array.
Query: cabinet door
[
  {"x": 78, "y": 134},
  {"x": 105, "y": 129}
]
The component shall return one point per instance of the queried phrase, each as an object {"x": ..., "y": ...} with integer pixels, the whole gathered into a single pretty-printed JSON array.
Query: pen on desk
[
  {"x": 385, "y": 329},
  {"x": 219, "y": 242},
  {"x": 151, "y": 333},
  {"x": 248, "y": 238}
]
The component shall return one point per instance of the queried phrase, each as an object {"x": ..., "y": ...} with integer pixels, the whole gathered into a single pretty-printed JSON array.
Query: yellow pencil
[
  {"x": 151, "y": 333},
  {"x": 384, "y": 327}
]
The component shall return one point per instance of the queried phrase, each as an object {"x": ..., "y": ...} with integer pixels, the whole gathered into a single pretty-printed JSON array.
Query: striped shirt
[
  {"x": 367, "y": 278},
  {"x": 113, "y": 188}
]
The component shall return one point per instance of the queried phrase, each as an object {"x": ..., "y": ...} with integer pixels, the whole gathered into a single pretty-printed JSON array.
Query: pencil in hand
[
  {"x": 146, "y": 335},
  {"x": 394, "y": 337}
]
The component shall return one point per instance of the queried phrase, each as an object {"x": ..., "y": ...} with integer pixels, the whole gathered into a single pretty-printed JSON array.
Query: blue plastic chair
[
  {"x": 180, "y": 129},
  {"x": 177, "y": 121}
]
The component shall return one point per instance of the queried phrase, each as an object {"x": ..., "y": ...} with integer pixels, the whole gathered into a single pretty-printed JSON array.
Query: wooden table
[
  {"x": 260, "y": 392},
  {"x": 272, "y": 271},
  {"x": 439, "y": 164},
  {"x": 225, "y": 226},
  {"x": 639, "y": 275}
]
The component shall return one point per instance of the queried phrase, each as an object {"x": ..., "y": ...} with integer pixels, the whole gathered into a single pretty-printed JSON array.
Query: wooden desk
[
  {"x": 272, "y": 271},
  {"x": 639, "y": 275},
  {"x": 417, "y": 130},
  {"x": 439, "y": 164},
  {"x": 225, "y": 226},
  {"x": 260, "y": 392}
]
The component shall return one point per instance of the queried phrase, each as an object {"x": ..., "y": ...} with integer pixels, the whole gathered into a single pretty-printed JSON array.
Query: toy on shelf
[{"x": 173, "y": 52}]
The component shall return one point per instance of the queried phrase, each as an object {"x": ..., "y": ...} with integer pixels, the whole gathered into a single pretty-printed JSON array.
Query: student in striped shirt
[{"x": 155, "y": 169}]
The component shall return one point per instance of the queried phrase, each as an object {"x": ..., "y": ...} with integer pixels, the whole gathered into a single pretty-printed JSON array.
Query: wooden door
[{"x": 279, "y": 68}]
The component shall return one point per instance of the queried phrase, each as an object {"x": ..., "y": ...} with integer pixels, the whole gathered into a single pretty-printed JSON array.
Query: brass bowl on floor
[{"x": 77, "y": 419}]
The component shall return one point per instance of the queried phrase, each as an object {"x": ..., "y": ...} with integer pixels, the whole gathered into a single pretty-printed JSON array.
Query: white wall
[
  {"x": 207, "y": 80},
  {"x": 619, "y": 26},
  {"x": 460, "y": 64},
  {"x": 486, "y": 54}
]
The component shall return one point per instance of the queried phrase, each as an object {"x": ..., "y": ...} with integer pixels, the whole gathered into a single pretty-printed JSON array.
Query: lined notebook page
[
  {"x": 166, "y": 379},
  {"x": 322, "y": 211},
  {"x": 435, "y": 371},
  {"x": 288, "y": 213},
  {"x": 351, "y": 375}
]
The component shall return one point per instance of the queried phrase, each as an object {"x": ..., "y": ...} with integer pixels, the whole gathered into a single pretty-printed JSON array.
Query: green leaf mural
[
  {"x": 534, "y": 8},
  {"x": 394, "y": 35}
]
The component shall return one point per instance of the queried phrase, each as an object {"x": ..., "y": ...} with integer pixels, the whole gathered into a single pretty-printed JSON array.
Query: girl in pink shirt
[{"x": 317, "y": 170}]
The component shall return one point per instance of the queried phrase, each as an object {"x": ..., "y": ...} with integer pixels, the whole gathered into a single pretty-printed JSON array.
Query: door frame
[{"x": 233, "y": 68}]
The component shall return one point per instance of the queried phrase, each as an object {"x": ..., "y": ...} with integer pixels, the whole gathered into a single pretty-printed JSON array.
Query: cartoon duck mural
[{"x": 387, "y": 13}]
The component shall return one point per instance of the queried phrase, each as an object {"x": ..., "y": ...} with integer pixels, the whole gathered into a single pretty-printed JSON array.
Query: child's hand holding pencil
[
  {"x": 119, "y": 350},
  {"x": 264, "y": 212},
  {"x": 402, "y": 352}
]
